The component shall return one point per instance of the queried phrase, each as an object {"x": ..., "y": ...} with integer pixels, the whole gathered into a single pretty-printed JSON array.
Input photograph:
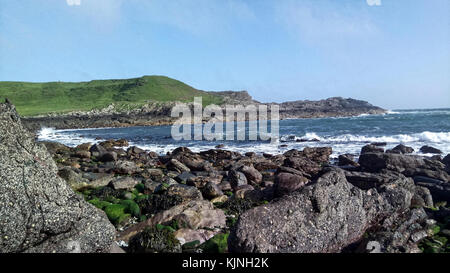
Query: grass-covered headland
[{"x": 33, "y": 99}]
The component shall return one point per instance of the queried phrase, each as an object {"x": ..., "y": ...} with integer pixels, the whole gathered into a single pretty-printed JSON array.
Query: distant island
[{"x": 142, "y": 101}]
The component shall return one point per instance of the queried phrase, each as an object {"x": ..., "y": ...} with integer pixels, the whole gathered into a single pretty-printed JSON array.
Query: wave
[
  {"x": 421, "y": 112},
  {"x": 429, "y": 137},
  {"x": 344, "y": 143},
  {"x": 63, "y": 136}
]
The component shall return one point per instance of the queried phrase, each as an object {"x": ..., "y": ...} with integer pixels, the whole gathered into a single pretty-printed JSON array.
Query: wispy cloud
[
  {"x": 73, "y": 2},
  {"x": 373, "y": 2}
]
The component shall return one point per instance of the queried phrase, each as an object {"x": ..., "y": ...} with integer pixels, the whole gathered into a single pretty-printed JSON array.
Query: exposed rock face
[
  {"x": 322, "y": 217},
  {"x": 38, "y": 210}
]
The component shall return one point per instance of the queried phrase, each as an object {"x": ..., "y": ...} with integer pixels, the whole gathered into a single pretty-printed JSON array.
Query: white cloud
[
  {"x": 73, "y": 2},
  {"x": 373, "y": 2}
]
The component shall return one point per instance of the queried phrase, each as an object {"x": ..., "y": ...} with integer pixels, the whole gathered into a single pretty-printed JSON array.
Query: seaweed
[{"x": 154, "y": 240}]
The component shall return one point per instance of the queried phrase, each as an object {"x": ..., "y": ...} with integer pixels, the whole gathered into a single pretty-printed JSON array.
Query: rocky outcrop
[
  {"x": 39, "y": 212},
  {"x": 332, "y": 107},
  {"x": 325, "y": 216}
]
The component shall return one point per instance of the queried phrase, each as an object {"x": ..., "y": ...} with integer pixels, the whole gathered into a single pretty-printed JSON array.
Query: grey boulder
[{"x": 39, "y": 212}]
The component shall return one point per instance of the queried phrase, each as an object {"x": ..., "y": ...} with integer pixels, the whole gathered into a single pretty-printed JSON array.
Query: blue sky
[{"x": 392, "y": 53}]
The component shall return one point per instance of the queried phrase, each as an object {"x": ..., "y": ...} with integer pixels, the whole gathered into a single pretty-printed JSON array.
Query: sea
[{"x": 346, "y": 135}]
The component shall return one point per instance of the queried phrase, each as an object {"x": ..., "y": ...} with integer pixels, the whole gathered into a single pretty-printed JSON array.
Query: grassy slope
[{"x": 41, "y": 98}]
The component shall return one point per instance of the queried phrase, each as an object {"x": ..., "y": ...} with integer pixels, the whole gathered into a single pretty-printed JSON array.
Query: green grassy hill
[{"x": 33, "y": 99}]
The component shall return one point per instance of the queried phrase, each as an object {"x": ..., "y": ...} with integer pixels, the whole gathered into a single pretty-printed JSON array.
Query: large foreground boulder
[
  {"x": 325, "y": 216},
  {"x": 39, "y": 212}
]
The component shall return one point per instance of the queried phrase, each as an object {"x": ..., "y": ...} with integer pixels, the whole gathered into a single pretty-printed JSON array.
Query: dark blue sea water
[{"x": 414, "y": 128}]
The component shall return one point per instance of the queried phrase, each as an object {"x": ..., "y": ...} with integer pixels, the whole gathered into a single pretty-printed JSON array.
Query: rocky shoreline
[
  {"x": 220, "y": 201},
  {"x": 158, "y": 113},
  {"x": 217, "y": 201}
]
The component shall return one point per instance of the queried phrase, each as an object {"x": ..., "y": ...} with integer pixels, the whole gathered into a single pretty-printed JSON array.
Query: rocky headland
[
  {"x": 159, "y": 113},
  {"x": 110, "y": 197}
]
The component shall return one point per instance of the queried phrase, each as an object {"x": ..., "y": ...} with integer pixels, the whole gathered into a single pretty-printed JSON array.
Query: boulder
[
  {"x": 150, "y": 186},
  {"x": 98, "y": 179},
  {"x": 84, "y": 147},
  {"x": 123, "y": 183},
  {"x": 126, "y": 167},
  {"x": 439, "y": 190},
  {"x": 401, "y": 149},
  {"x": 184, "y": 177},
  {"x": 108, "y": 157},
  {"x": 422, "y": 198},
  {"x": 398, "y": 234},
  {"x": 367, "y": 181},
  {"x": 237, "y": 179},
  {"x": 286, "y": 183},
  {"x": 371, "y": 149},
  {"x": 154, "y": 174},
  {"x": 166, "y": 182},
  {"x": 39, "y": 212},
  {"x": 154, "y": 240},
  {"x": 325, "y": 216},
  {"x": 429, "y": 150},
  {"x": 97, "y": 150},
  {"x": 220, "y": 199},
  {"x": 253, "y": 175},
  {"x": 318, "y": 154},
  {"x": 241, "y": 191},
  {"x": 211, "y": 190},
  {"x": 186, "y": 193},
  {"x": 175, "y": 165},
  {"x": 347, "y": 160},
  {"x": 409, "y": 165},
  {"x": 186, "y": 235},
  {"x": 195, "y": 214},
  {"x": 56, "y": 148},
  {"x": 82, "y": 154},
  {"x": 73, "y": 178},
  {"x": 303, "y": 164},
  {"x": 134, "y": 151}
]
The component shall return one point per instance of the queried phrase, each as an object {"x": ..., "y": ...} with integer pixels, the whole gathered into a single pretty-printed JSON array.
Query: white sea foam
[
  {"x": 420, "y": 112},
  {"x": 431, "y": 137},
  {"x": 346, "y": 143},
  {"x": 64, "y": 137}
]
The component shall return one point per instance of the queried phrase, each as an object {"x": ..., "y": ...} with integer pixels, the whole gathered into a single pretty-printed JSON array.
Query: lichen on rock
[{"x": 39, "y": 212}]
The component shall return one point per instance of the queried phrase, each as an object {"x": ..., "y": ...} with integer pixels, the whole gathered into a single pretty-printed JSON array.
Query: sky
[{"x": 392, "y": 53}]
